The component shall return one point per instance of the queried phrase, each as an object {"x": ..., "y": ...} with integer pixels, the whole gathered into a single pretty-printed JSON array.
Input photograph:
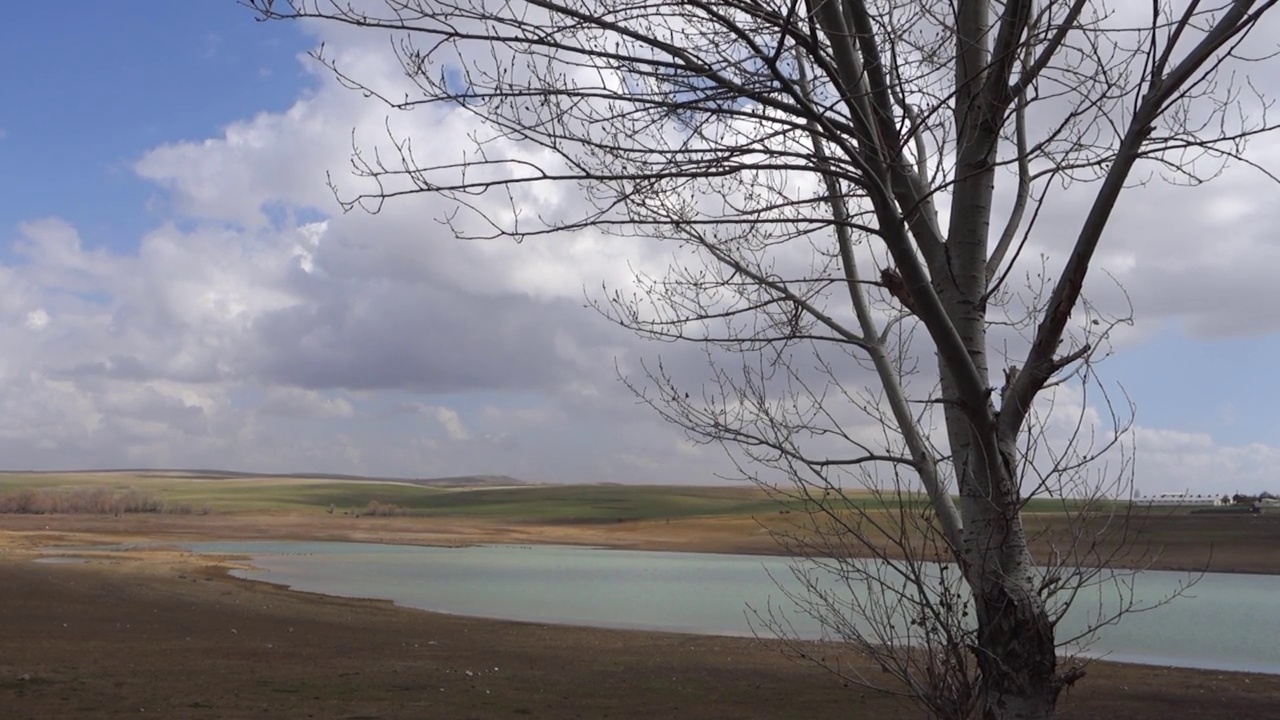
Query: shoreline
[
  {"x": 1245, "y": 547},
  {"x": 621, "y": 547}
]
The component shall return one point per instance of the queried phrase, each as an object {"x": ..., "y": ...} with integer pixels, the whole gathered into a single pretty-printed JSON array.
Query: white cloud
[
  {"x": 37, "y": 319},
  {"x": 1170, "y": 460},
  {"x": 452, "y": 424},
  {"x": 292, "y": 402}
]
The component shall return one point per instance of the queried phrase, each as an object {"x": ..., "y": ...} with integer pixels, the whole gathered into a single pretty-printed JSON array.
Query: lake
[{"x": 1227, "y": 621}]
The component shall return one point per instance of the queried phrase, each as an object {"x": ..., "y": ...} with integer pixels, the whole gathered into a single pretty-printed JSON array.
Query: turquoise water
[{"x": 1226, "y": 621}]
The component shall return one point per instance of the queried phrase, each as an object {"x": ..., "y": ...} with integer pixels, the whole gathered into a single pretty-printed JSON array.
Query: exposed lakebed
[{"x": 1226, "y": 621}]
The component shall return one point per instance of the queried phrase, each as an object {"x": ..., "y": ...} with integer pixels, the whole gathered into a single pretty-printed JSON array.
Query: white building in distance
[{"x": 1179, "y": 498}]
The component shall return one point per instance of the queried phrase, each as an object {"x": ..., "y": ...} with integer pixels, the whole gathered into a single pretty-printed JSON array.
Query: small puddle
[{"x": 61, "y": 560}]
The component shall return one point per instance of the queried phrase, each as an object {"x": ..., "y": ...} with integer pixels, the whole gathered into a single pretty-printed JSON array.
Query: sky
[{"x": 178, "y": 287}]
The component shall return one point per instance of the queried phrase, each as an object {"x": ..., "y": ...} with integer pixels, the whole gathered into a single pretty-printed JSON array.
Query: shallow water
[{"x": 1227, "y": 621}]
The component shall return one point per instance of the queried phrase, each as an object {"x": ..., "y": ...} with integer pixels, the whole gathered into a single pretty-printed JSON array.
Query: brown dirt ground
[{"x": 169, "y": 634}]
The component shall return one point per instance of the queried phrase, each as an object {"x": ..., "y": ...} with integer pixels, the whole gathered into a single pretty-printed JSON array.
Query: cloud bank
[{"x": 260, "y": 328}]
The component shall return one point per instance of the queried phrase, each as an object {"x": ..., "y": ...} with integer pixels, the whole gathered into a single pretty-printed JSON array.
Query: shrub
[{"x": 379, "y": 509}]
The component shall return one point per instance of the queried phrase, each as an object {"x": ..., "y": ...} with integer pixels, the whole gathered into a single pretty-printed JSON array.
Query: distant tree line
[
  {"x": 375, "y": 508},
  {"x": 1238, "y": 499},
  {"x": 90, "y": 501}
]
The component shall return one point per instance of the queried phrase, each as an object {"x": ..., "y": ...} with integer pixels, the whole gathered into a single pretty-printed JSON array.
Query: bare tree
[{"x": 858, "y": 181}]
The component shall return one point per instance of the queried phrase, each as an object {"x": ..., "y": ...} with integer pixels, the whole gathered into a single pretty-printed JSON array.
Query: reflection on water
[{"x": 1228, "y": 622}]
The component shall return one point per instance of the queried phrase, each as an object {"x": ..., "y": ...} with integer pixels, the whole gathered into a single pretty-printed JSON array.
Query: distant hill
[
  {"x": 205, "y": 474},
  {"x": 468, "y": 480}
]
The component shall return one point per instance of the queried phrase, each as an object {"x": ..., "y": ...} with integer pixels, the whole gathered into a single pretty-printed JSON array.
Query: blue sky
[
  {"x": 155, "y": 132},
  {"x": 91, "y": 85},
  {"x": 1226, "y": 387}
]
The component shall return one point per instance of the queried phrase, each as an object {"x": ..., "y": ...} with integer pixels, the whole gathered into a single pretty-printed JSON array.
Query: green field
[
  {"x": 232, "y": 493},
  {"x": 534, "y": 503}
]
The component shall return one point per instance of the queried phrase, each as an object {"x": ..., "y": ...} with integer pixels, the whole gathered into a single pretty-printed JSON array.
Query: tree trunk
[
  {"x": 1016, "y": 655},
  {"x": 1015, "y": 652}
]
